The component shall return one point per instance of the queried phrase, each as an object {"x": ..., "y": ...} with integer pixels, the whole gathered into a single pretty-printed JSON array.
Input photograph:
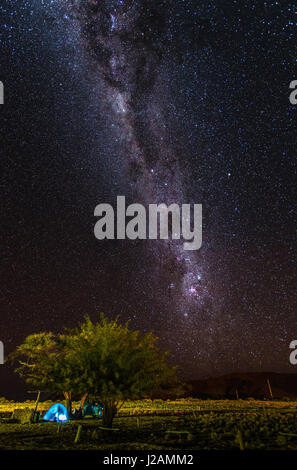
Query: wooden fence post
[
  {"x": 269, "y": 388},
  {"x": 78, "y": 434},
  {"x": 240, "y": 440}
]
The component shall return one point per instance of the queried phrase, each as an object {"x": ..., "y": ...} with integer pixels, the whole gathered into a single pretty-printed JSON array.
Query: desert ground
[{"x": 188, "y": 424}]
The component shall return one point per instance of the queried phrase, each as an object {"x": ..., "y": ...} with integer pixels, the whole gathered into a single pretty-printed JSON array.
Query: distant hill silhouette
[{"x": 251, "y": 384}]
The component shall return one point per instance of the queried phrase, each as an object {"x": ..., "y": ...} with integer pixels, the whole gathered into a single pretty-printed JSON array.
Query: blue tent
[{"x": 57, "y": 413}]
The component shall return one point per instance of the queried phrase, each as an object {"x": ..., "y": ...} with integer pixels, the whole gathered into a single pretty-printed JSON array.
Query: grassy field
[{"x": 163, "y": 425}]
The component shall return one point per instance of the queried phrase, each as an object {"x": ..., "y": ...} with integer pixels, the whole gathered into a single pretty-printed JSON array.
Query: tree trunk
[
  {"x": 68, "y": 402},
  {"x": 109, "y": 412},
  {"x": 82, "y": 402}
]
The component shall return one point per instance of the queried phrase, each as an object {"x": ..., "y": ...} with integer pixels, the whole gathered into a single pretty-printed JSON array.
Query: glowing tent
[{"x": 57, "y": 413}]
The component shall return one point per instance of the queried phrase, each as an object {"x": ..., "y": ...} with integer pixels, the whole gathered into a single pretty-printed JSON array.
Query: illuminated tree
[
  {"x": 44, "y": 361},
  {"x": 106, "y": 360},
  {"x": 116, "y": 363}
]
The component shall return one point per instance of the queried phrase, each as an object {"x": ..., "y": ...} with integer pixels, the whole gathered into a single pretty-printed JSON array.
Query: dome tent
[{"x": 57, "y": 413}]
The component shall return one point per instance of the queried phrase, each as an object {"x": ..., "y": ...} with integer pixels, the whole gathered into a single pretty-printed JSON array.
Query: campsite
[
  {"x": 185, "y": 424},
  {"x": 103, "y": 386}
]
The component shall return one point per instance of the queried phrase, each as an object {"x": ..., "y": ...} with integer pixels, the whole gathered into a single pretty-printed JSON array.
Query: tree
[
  {"x": 44, "y": 362},
  {"x": 106, "y": 360},
  {"x": 117, "y": 363}
]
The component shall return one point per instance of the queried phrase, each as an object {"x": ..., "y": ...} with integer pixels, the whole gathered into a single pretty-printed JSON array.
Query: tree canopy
[{"x": 106, "y": 359}]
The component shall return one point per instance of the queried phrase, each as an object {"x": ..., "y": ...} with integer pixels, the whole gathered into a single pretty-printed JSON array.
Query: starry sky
[{"x": 162, "y": 102}]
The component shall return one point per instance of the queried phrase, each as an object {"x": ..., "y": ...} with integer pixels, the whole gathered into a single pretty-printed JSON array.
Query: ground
[{"x": 186, "y": 424}]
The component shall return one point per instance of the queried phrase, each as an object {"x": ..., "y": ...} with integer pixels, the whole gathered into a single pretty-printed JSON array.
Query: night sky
[{"x": 162, "y": 102}]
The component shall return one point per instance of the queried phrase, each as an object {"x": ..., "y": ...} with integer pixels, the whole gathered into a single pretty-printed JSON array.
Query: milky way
[
  {"x": 163, "y": 102},
  {"x": 128, "y": 41}
]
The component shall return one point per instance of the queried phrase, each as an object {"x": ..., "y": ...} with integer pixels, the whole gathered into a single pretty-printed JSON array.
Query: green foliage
[
  {"x": 105, "y": 359},
  {"x": 115, "y": 362},
  {"x": 44, "y": 361}
]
